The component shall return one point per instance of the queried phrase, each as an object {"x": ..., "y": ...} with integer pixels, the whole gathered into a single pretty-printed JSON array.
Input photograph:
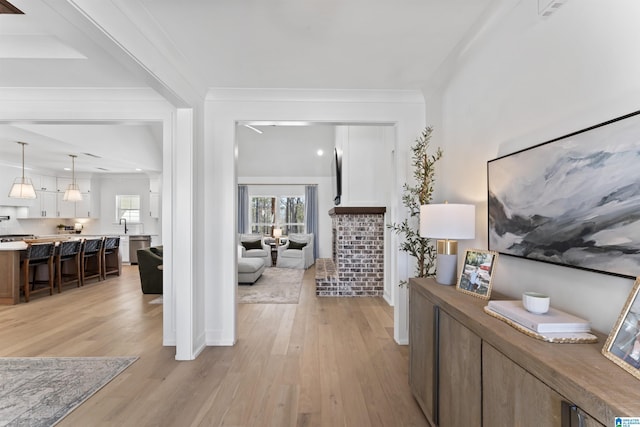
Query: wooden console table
[{"x": 468, "y": 368}]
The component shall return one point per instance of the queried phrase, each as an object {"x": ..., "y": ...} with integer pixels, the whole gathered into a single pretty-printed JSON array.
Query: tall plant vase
[{"x": 413, "y": 197}]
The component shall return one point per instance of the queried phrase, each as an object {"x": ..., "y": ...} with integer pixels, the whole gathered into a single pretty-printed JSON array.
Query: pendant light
[
  {"x": 22, "y": 187},
  {"x": 72, "y": 194}
]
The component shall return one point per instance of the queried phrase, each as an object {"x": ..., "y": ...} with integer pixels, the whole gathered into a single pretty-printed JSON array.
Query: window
[
  {"x": 285, "y": 212},
  {"x": 128, "y": 207}
]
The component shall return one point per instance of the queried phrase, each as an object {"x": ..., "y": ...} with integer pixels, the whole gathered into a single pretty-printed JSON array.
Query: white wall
[
  {"x": 525, "y": 81},
  {"x": 367, "y": 168}
]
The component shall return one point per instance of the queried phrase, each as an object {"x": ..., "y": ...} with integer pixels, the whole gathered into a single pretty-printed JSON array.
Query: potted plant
[{"x": 412, "y": 198}]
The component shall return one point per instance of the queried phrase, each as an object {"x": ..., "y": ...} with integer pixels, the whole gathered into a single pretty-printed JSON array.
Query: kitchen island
[
  {"x": 10, "y": 263},
  {"x": 10, "y": 272}
]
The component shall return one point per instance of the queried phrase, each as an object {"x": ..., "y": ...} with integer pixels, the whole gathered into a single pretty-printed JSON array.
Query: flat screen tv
[{"x": 336, "y": 176}]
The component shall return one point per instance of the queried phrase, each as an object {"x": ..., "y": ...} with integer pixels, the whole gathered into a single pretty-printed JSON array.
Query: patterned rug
[
  {"x": 275, "y": 286},
  {"x": 39, "y": 392}
]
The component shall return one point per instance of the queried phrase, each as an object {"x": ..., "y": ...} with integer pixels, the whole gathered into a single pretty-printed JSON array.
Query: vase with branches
[{"x": 413, "y": 197}]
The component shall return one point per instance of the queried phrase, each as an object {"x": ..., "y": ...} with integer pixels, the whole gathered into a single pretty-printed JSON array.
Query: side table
[{"x": 274, "y": 253}]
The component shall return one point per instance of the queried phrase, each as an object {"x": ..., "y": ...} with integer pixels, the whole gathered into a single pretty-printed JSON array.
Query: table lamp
[
  {"x": 447, "y": 222},
  {"x": 277, "y": 233}
]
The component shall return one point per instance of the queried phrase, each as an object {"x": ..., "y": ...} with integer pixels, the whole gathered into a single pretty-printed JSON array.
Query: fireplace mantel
[{"x": 357, "y": 210}]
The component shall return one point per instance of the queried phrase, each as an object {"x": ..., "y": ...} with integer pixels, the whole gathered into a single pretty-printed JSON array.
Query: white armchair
[
  {"x": 293, "y": 254},
  {"x": 254, "y": 246}
]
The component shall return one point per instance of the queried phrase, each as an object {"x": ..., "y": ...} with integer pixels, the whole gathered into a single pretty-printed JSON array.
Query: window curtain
[
  {"x": 311, "y": 214},
  {"x": 243, "y": 209}
]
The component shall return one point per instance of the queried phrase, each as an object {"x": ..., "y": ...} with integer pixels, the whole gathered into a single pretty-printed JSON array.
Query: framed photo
[
  {"x": 623, "y": 343},
  {"x": 477, "y": 272},
  {"x": 571, "y": 201}
]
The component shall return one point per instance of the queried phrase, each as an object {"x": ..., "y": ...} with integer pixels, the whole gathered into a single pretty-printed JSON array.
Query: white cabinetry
[
  {"x": 124, "y": 248},
  {"x": 154, "y": 205},
  {"x": 44, "y": 182},
  {"x": 65, "y": 209},
  {"x": 44, "y": 206},
  {"x": 154, "y": 197},
  {"x": 83, "y": 207}
]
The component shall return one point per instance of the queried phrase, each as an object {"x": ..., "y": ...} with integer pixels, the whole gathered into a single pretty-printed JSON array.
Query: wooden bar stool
[
  {"x": 68, "y": 253},
  {"x": 92, "y": 259},
  {"x": 34, "y": 256},
  {"x": 111, "y": 261}
]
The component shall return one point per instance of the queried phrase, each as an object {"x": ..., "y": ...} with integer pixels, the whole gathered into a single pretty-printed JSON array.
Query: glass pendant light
[
  {"x": 72, "y": 194},
  {"x": 22, "y": 187}
]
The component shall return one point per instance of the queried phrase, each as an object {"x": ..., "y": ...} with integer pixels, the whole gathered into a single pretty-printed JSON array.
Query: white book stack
[{"x": 554, "y": 321}]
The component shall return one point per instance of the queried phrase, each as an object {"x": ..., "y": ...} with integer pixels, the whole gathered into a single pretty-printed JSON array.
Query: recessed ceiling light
[
  {"x": 138, "y": 170},
  {"x": 319, "y": 152},
  {"x": 67, "y": 169}
]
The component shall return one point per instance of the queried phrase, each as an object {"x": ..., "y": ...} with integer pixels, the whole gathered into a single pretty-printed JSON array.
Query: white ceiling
[{"x": 332, "y": 44}]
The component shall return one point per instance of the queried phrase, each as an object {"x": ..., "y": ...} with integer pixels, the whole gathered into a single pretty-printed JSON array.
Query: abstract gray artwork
[{"x": 572, "y": 201}]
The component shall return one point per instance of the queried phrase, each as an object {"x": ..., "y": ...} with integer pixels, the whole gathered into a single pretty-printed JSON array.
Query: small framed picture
[
  {"x": 477, "y": 272},
  {"x": 623, "y": 343}
]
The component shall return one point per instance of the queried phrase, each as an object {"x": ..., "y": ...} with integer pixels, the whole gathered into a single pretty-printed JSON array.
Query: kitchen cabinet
[
  {"x": 487, "y": 373},
  {"x": 65, "y": 209},
  {"x": 124, "y": 248},
  {"x": 154, "y": 197},
  {"x": 43, "y": 182},
  {"x": 154, "y": 205},
  {"x": 44, "y": 206},
  {"x": 83, "y": 207},
  {"x": 154, "y": 184},
  {"x": 83, "y": 184}
]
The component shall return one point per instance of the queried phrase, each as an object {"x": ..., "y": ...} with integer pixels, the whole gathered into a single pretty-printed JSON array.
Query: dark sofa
[{"x": 150, "y": 275}]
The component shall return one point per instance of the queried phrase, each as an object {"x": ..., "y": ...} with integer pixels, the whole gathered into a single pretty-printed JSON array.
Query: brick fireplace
[{"x": 357, "y": 266}]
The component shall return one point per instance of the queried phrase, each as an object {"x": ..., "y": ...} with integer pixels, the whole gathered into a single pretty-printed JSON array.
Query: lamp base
[{"x": 446, "y": 269}]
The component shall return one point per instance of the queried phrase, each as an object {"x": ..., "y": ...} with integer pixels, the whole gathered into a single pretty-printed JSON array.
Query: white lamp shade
[
  {"x": 22, "y": 188},
  {"x": 448, "y": 221},
  {"x": 72, "y": 194},
  {"x": 277, "y": 232}
]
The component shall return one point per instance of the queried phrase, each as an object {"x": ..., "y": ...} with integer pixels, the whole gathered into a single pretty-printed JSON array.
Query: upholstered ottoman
[{"x": 250, "y": 269}]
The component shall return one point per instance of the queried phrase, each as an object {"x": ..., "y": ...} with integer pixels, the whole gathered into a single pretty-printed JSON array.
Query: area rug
[
  {"x": 39, "y": 392},
  {"x": 275, "y": 286}
]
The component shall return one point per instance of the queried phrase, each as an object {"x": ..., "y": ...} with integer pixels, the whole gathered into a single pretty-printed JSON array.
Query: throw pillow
[
  {"x": 296, "y": 245},
  {"x": 252, "y": 244}
]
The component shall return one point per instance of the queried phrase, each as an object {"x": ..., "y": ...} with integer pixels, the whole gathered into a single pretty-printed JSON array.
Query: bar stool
[
  {"x": 111, "y": 263},
  {"x": 92, "y": 250},
  {"x": 68, "y": 252},
  {"x": 34, "y": 256}
]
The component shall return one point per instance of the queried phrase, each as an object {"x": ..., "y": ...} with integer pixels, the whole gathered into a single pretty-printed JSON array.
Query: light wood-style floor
[{"x": 322, "y": 362}]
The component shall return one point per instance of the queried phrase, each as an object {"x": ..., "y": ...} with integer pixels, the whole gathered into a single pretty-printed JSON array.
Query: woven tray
[{"x": 555, "y": 337}]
